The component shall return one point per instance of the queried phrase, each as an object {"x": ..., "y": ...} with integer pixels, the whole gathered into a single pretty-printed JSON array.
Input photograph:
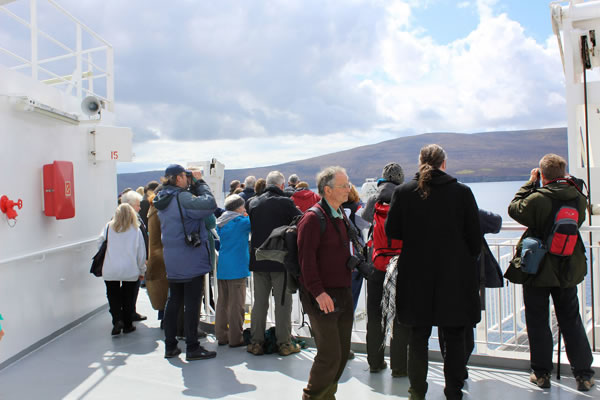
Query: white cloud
[{"x": 255, "y": 83}]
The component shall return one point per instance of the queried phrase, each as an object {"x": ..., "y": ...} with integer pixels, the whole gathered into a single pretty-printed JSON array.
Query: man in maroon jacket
[{"x": 325, "y": 294}]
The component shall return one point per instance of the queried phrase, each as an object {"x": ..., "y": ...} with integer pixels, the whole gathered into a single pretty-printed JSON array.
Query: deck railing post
[
  {"x": 33, "y": 23},
  {"x": 78, "y": 62}
]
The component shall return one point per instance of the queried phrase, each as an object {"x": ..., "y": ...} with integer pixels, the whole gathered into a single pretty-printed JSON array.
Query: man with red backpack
[
  {"x": 383, "y": 249},
  {"x": 558, "y": 273}
]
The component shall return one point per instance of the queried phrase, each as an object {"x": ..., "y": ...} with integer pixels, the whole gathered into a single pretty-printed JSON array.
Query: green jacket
[{"x": 533, "y": 207}]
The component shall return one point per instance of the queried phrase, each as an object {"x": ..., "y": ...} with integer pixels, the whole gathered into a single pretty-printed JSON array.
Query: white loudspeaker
[{"x": 91, "y": 106}]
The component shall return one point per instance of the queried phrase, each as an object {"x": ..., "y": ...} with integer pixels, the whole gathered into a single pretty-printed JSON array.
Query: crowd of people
[{"x": 425, "y": 259}]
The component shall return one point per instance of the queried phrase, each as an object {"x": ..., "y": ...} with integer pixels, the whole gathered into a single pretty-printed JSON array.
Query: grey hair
[
  {"x": 275, "y": 178},
  {"x": 131, "y": 198},
  {"x": 250, "y": 181},
  {"x": 327, "y": 176},
  {"x": 293, "y": 179}
]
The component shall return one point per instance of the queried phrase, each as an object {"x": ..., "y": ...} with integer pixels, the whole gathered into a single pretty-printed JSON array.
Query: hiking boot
[
  {"x": 200, "y": 354},
  {"x": 584, "y": 384},
  {"x": 398, "y": 373},
  {"x": 381, "y": 367},
  {"x": 172, "y": 353},
  {"x": 542, "y": 381},
  {"x": 288, "y": 348},
  {"x": 256, "y": 349}
]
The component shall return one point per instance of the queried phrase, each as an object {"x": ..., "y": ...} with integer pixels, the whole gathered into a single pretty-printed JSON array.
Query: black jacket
[
  {"x": 491, "y": 274},
  {"x": 247, "y": 194},
  {"x": 438, "y": 278},
  {"x": 268, "y": 211}
]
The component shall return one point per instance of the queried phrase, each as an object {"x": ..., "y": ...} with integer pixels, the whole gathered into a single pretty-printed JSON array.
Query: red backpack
[
  {"x": 383, "y": 248},
  {"x": 565, "y": 229}
]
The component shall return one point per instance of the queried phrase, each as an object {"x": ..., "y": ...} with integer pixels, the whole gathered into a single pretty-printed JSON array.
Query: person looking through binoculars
[{"x": 183, "y": 216}]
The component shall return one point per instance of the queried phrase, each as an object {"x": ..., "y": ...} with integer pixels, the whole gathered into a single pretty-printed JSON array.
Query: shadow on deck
[{"x": 87, "y": 363}]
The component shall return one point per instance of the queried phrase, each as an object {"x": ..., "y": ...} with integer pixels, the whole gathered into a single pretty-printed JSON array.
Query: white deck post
[
  {"x": 110, "y": 78},
  {"x": 78, "y": 61},
  {"x": 34, "y": 38}
]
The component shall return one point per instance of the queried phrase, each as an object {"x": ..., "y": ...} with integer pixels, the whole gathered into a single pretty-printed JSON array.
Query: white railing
[
  {"x": 85, "y": 71},
  {"x": 502, "y": 331}
]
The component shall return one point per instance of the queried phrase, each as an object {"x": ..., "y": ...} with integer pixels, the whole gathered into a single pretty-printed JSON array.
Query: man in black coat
[
  {"x": 268, "y": 211},
  {"x": 248, "y": 191},
  {"x": 437, "y": 284}
]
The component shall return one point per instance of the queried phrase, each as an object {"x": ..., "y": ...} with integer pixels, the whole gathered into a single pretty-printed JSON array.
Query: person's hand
[
  {"x": 325, "y": 303},
  {"x": 1, "y": 334},
  {"x": 197, "y": 174},
  {"x": 534, "y": 175},
  {"x": 141, "y": 277}
]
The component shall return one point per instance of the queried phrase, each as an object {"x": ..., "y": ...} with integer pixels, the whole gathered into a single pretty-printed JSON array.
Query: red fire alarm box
[{"x": 59, "y": 190}]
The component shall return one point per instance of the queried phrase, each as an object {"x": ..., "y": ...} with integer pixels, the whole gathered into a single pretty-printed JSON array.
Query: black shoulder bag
[{"x": 98, "y": 259}]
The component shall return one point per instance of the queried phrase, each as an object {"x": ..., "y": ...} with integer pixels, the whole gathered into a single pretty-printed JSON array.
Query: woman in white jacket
[{"x": 124, "y": 264}]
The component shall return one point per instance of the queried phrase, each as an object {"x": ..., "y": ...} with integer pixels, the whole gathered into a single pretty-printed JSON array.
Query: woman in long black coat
[{"x": 437, "y": 284}]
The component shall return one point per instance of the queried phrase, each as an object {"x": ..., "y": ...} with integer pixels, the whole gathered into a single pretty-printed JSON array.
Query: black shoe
[
  {"x": 129, "y": 329},
  {"x": 351, "y": 355},
  {"x": 380, "y": 368},
  {"x": 200, "y": 354},
  {"x": 172, "y": 353},
  {"x": 138, "y": 317},
  {"x": 116, "y": 328},
  {"x": 201, "y": 333}
]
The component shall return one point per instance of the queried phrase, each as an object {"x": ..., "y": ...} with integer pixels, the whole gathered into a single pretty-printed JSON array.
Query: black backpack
[{"x": 282, "y": 246}]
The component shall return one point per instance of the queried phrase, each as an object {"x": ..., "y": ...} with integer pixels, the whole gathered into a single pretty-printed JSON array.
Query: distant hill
[{"x": 477, "y": 157}]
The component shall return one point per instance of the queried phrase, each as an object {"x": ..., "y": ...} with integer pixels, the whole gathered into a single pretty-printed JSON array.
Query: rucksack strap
[{"x": 322, "y": 222}]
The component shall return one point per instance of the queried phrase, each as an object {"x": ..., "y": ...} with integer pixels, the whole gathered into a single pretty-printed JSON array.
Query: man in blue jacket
[{"x": 183, "y": 222}]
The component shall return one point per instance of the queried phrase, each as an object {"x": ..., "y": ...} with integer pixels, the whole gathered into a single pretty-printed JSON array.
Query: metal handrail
[
  {"x": 77, "y": 78},
  {"x": 502, "y": 330}
]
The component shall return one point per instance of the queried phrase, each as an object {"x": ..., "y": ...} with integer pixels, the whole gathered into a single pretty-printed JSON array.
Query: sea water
[{"x": 495, "y": 196}]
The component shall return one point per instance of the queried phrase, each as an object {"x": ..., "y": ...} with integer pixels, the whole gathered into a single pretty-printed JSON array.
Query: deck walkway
[{"x": 87, "y": 363}]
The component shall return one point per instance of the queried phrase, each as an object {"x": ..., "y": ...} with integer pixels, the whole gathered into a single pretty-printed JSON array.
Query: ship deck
[{"x": 87, "y": 363}]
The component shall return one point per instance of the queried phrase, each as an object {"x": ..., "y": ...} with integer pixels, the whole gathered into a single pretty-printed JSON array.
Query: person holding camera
[
  {"x": 557, "y": 275},
  {"x": 186, "y": 253},
  {"x": 437, "y": 284},
  {"x": 326, "y": 270}
]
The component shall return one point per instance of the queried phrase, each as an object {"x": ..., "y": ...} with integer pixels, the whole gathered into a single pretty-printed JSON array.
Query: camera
[
  {"x": 358, "y": 262},
  {"x": 193, "y": 239}
]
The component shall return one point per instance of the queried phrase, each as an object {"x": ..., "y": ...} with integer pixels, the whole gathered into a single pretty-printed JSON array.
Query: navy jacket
[{"x": 185, "y": 262}]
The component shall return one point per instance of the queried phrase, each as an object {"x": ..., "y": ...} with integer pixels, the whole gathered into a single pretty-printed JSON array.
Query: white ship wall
[{"x": 42, "y": 288}]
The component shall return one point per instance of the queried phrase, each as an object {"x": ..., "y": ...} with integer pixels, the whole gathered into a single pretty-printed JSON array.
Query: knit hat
[
  {"x": 393, "y": 172},
  {"x": 233, "y": 202}
]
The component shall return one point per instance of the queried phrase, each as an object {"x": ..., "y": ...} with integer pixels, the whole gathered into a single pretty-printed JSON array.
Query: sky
[{"x": 261, "y": 82}]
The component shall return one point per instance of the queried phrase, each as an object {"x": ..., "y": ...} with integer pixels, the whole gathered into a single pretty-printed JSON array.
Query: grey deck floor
[{"x": 87, "y": 363}]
